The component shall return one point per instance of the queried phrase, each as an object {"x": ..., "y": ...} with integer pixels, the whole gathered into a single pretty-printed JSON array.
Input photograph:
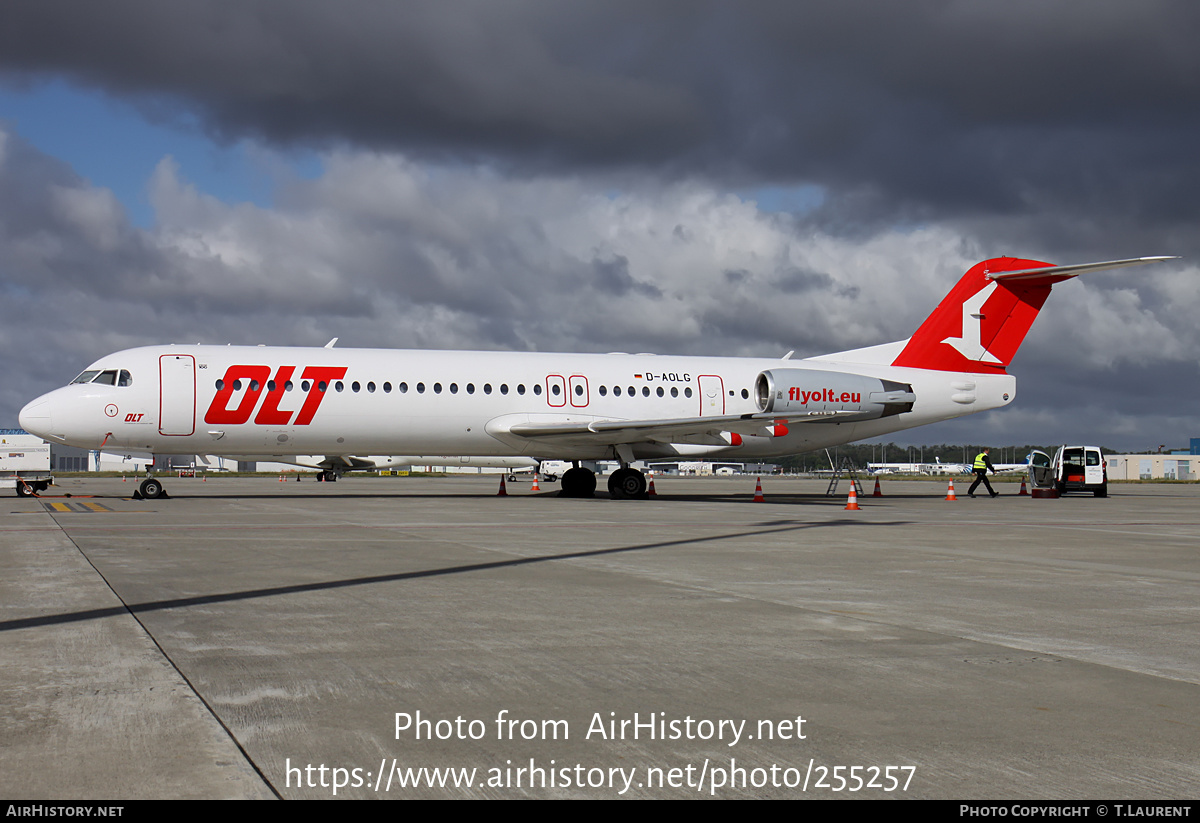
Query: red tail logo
[{"x": 980, "y": 324}]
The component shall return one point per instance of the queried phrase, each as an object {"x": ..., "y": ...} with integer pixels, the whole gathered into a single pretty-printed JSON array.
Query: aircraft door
[
  {"x": 578, "y": 390},
  {"x": 1041, "y": 470},
  {"x": 712, "y": 395},
  {"x": 556, "y": 390},
  {"x": 177, "y": 395}
]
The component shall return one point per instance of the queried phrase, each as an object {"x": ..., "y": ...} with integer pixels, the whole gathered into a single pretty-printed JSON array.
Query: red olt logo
[{"x": 269, "y": 414}]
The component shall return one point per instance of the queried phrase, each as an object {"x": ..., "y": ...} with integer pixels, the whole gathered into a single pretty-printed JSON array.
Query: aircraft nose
[{"x": 35, "y": 418}]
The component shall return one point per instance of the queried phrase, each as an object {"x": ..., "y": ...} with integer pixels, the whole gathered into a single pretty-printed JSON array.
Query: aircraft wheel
[
  {"x": 578, "y": 482},
  {"x": 628, "y": 484},
  {"x": 151, "y": 489}
]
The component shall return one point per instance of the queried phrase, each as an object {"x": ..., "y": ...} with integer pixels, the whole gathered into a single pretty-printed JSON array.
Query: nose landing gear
[{"x": 151, "y": 489}]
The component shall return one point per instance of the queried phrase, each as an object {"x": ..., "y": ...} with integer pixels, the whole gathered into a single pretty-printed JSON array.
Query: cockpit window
[{"x": 108, "y": 377}]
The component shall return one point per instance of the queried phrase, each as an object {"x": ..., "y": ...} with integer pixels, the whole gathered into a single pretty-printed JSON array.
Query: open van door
[{"x": 1041, "y": 470}]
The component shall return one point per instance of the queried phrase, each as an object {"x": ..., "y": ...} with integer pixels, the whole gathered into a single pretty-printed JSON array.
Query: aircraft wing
[{"x": 638, "y": 431}]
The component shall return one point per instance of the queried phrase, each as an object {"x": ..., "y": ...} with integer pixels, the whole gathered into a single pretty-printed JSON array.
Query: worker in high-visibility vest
[{"x": 981, "y": 466}]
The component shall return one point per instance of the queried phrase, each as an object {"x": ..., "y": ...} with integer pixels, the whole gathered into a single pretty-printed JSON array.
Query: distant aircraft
[
  {"x": 275, "y": 403},
  {"x": 969, "y": 468}
]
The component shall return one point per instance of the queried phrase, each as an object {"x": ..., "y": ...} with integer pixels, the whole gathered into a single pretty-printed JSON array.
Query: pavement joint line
[{"x": 191, "y": 686}]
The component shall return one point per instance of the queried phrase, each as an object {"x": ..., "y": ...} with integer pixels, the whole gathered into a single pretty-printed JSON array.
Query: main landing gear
[
  {"x": 578, "y": 482},
  {"x": 627, "y": 484},
  {"x": 623, "y": 484}
]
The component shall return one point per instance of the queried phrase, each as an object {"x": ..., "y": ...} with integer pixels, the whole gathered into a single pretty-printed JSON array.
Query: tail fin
[{"x": 980, "y": 324}]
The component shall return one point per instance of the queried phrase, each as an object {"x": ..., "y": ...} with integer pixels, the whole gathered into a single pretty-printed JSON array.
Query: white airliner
[{"x": 274, "y": 403}]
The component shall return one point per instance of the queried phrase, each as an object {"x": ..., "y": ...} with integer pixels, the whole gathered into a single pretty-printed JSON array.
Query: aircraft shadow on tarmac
[{"x": 250, "y": 594}]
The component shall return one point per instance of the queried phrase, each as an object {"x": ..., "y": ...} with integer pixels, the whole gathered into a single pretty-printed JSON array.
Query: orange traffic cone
[
  {"x": 281, "y": 478},
  {"x": 536, "y": 487},
  {"x": 124, "y": 479},
  {"x": 503, "y": 491},
  {"x": 878, "y": 492},
  {"x": 852, "y": 500},
  {"x": 204, "y": 478},
  {"x": 950, "y": 491},
  {"x": 650, "y": 492},
  {"x": 1024, "y": 490},
  {"x": 758, "y": 495}
]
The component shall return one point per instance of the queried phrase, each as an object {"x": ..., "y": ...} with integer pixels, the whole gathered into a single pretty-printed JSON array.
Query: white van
[{"x": 1074, "y": 468}]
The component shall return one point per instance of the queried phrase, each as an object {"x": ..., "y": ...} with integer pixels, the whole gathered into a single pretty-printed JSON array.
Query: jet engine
[{"x": 837, "y": 395}]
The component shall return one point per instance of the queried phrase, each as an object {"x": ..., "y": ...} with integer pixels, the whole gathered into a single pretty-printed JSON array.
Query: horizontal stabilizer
[{"x": 1072, "y": 271}]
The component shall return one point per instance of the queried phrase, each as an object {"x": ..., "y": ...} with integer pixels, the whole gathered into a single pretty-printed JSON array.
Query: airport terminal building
[{"x": 1153, "y": 466}]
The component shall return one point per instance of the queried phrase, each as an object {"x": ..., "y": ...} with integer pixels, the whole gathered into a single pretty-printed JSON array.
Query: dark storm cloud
[
  {"x": 460, "y": 78},
  {"x": 910, "y": 110}
]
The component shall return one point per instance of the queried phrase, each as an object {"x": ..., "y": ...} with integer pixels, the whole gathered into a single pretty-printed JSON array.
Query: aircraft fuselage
[{"x": 277, "y": 401}]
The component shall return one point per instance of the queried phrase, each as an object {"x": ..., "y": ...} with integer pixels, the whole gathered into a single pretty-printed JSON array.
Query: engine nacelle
[{"x": 841, "y": 396}]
